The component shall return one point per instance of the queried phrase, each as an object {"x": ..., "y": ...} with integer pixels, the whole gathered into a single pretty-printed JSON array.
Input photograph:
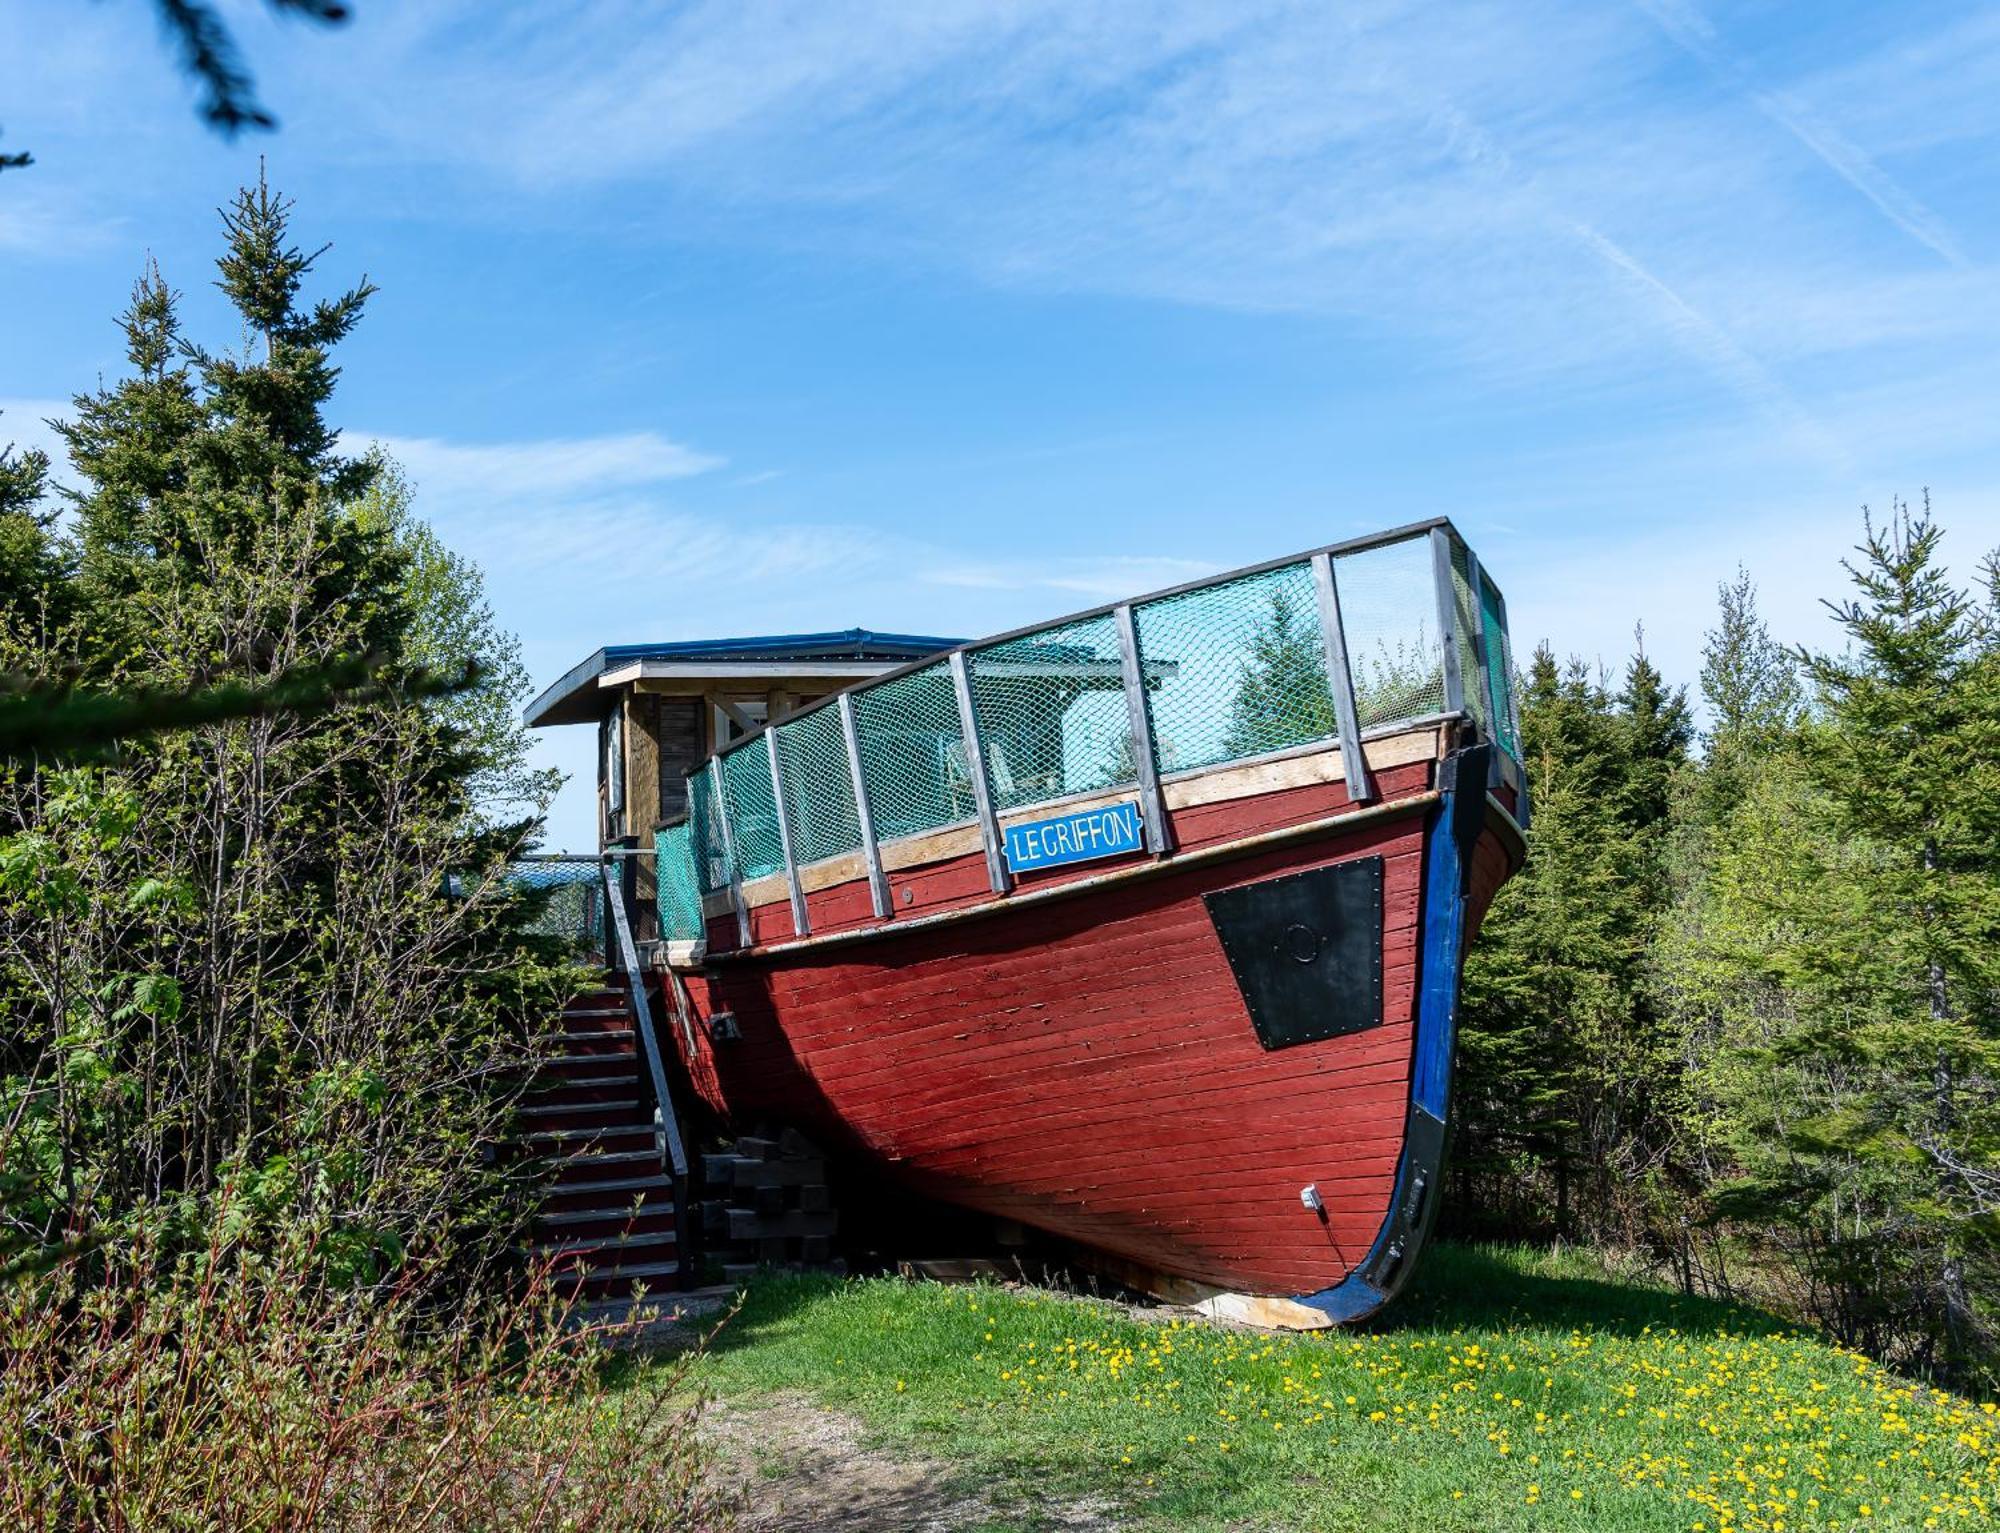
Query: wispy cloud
[
  {"x": 1409, "y": 169},
  {"x": 512, "y": 471},
  {"x": 602, "y": 511},
  {"x": 49, "y": 225},
  {"x": 1102, "y": 578},
  {"x": 1685, "y": 23}
]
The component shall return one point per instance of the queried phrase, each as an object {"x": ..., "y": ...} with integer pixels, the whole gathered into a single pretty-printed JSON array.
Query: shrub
[{"x": 238, "y": 1390}]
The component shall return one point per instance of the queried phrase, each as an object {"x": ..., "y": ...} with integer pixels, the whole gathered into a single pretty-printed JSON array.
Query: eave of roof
[{"x": 571, "y": 698}]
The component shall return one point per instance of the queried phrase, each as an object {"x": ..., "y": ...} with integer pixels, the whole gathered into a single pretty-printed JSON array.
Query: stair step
[
  {"x": 564, "y": 1094},
  {"x": 591, "y": 1167},
  {"x": 558, "y": 1141},
  {"x": 606, "y": 1255},
  {"x": 581, "y": 1069},
  {"x": 610, "y": 1223},
  {"x": 606, "y": 1040},
  {"x": 604, "y": 1191},
  {"x": 621, "y": 1113},
  {"x": 609, "y": 1220},
  {"x": 619, "y": 1281},
  {"x": 623, "y": 1078},
  {"x": 601, "y": 1245}
]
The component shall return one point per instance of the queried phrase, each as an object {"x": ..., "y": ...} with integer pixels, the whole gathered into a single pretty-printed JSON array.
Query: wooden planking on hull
[{"x": 1078, "y": 1056}]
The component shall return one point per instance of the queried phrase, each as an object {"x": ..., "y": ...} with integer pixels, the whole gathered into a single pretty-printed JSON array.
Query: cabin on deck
[
  {"x": 661, "y": 709},
  {"x": 1052, "y": 712}
]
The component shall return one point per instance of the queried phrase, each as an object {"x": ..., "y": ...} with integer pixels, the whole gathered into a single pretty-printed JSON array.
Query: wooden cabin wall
[{"x": 681, "y": 742}]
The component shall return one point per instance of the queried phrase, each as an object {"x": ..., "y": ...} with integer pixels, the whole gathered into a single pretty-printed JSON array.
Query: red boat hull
[{"x": 1080, "y": 1057}]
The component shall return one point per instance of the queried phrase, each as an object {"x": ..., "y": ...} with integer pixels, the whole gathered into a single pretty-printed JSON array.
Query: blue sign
[{"x": 1075, "y": 837}]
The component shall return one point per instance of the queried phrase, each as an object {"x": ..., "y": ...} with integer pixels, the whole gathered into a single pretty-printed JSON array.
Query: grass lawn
[{"x": 1508, "y": 1390}]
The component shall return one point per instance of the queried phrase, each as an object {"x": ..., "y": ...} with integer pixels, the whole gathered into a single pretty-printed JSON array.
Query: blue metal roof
[
  {"x": 569, "y": 699},
  {"x": 844, "y": 644}
]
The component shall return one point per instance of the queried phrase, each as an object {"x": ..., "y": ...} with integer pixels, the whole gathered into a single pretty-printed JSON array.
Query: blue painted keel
[{"x": 1450, "y": 838}]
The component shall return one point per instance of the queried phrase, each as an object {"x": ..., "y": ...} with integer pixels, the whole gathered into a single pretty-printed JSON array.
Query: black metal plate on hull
[{"x": 1306, "y": 950}]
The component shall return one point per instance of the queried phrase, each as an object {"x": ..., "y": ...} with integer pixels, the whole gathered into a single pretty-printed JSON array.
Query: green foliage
[
  {"x": 1281, "y": 696},
  {"x": 1564, "y": 1062},
  {"x": 1508, "y": 1390},
  {"x": 1839, "y": 954},
  {"x": 453, "y": 632},
  {"x": 207, "y": 53},
  {"x": 234, "y": 1387},
  {"x": 27, "y": 559},
  {"x": 1743, "y": 1012},
  {"x": 260, "y": 941}
]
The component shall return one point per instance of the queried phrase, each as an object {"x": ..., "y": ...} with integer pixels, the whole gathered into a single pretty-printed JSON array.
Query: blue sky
[{"x": 734, "y": 317}]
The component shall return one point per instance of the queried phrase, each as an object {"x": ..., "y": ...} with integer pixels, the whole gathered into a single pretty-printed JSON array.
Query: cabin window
[
  {"x": 727, "y": 730},
  {"x": 613, "y": 775}
]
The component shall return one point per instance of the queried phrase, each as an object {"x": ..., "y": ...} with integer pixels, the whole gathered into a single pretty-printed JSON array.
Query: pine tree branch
[
  {"x": 64, "y": 722},
  {"x": 208, "y": 52}
]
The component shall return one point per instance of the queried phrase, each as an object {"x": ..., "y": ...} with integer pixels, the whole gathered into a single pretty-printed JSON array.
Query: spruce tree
[
  {"x": 1557, "y": 1061},
  {"x": 1909, "y": 762},
  {"x": 269, "y": 962},
  {"x": 1281, "y": 694},
  {"x": 1657, "y": 730},
  {"x": 1833, "y": 967},
  {"x": 27, "y": 557},
  {"x": 1750, "y": 684}
]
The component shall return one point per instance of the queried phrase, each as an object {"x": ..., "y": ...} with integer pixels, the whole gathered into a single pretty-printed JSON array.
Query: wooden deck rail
[{"x": 666, "y": 1126}]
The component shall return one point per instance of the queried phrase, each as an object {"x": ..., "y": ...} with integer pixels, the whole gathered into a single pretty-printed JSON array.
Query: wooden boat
[{"x": 1142, "y": 927}]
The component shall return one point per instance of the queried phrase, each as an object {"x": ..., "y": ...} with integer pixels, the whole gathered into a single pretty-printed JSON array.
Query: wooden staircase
[{"x": 610, "y": 1223}]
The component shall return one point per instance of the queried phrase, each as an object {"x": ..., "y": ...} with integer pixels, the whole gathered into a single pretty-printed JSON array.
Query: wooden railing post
[
  {"x": 864, "y": 812},
  {"x": 666, "y": 1124},
  {"x": 1139, "y": 725},
  {"x": 735, "y": 870},
  {"x": 800, "y": 926},
  {"x": 1447, "y": 602},
  {"x": 1340, "y": 682},
  {"x": 982, "y": 786}
]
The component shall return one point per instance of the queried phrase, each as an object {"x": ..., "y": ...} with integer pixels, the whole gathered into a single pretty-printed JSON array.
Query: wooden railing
[{"x": 624, "y": 954}]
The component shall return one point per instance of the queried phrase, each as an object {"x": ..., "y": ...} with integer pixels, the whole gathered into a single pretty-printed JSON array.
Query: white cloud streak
[
  {"x": 1685, "y": 23},
  {"x": 511, "y": 471},
  {"x": 1099, "y": 578}
]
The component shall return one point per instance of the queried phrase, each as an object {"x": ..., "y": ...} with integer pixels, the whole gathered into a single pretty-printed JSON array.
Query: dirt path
[{"x": 803, "y": 1468}]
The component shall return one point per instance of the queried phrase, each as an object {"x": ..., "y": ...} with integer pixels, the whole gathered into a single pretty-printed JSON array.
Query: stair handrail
[{"x": 666, "y": 1126}]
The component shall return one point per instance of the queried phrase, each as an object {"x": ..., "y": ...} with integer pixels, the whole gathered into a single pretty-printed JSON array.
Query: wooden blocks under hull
[{"x": 770, "y": 1205}]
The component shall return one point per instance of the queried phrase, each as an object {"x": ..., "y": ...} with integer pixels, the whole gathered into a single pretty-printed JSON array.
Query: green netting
[
  {"x": 711, "y": 852},
  {"x": 913, "y": 753},
  {"x": 1236, "y": 670},
  {"x": 1051, "y": 711},
  {"x": 565, "y": 898},
  {"x": 1465, "y": 625},
  {"x": 1500, "y": 667},
  {"x": 819, "y": 788},
  {"x": 679, "y": 892},
  {"x": 1233, "y": 670},
  {"x": 753, "y": 812},
  {"x": 1388, "y": 613}
]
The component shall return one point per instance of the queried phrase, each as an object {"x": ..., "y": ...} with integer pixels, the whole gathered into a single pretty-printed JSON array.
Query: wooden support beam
[
  {"x": 864, "y": 812},
  {"x": 734, "y": 714},
  {"x": 800, "y": 926},
  {"x": 1340, "y": 682},
  {"x": 1447, "y": 616},
  {"x": 1139, "y": 723},
  {"x": 982, "y": 786}
]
